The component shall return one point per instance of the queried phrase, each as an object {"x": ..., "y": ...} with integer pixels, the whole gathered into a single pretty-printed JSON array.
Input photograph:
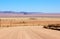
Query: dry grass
[{"x": 28, "y": 21}]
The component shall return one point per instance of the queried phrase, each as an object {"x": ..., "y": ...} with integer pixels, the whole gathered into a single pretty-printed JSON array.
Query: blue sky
[{"x": 30, "y": 5}]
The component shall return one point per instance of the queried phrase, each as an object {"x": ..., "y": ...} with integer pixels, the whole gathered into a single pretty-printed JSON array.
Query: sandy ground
[
  {"x": 28, "y": 32},
  {"x": 28, "y": 21}
]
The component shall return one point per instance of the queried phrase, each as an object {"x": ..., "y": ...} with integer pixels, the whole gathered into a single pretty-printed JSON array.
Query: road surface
[{"x": 28, "y": 32}]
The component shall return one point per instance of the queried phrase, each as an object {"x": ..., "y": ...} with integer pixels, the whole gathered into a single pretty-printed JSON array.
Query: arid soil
[
  {"x": 27, "y": 21},
  {"x": 28, "y": 32}
]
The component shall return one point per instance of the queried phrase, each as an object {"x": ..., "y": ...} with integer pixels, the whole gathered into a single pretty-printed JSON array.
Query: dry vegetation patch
[{"x": 9, "y": 22}]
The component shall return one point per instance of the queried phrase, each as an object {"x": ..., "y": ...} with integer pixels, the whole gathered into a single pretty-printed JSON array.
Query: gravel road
[{"x": 28, "y": 32}]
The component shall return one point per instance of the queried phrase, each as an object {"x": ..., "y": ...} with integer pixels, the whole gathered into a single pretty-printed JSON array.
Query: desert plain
[
  {"x": 28, "y": 27},
  {"x": 27, "y": 21}
]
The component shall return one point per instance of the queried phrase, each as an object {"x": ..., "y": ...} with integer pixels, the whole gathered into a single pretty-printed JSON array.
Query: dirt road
[{"x": 28, "y": 32}]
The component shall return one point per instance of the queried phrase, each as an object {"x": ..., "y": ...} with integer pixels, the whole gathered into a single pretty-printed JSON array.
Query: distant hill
[{"x": 27, "y": 14}]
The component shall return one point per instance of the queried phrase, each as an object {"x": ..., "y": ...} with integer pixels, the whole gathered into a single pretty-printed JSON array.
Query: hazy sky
[{"x": 30, "y": 5}]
